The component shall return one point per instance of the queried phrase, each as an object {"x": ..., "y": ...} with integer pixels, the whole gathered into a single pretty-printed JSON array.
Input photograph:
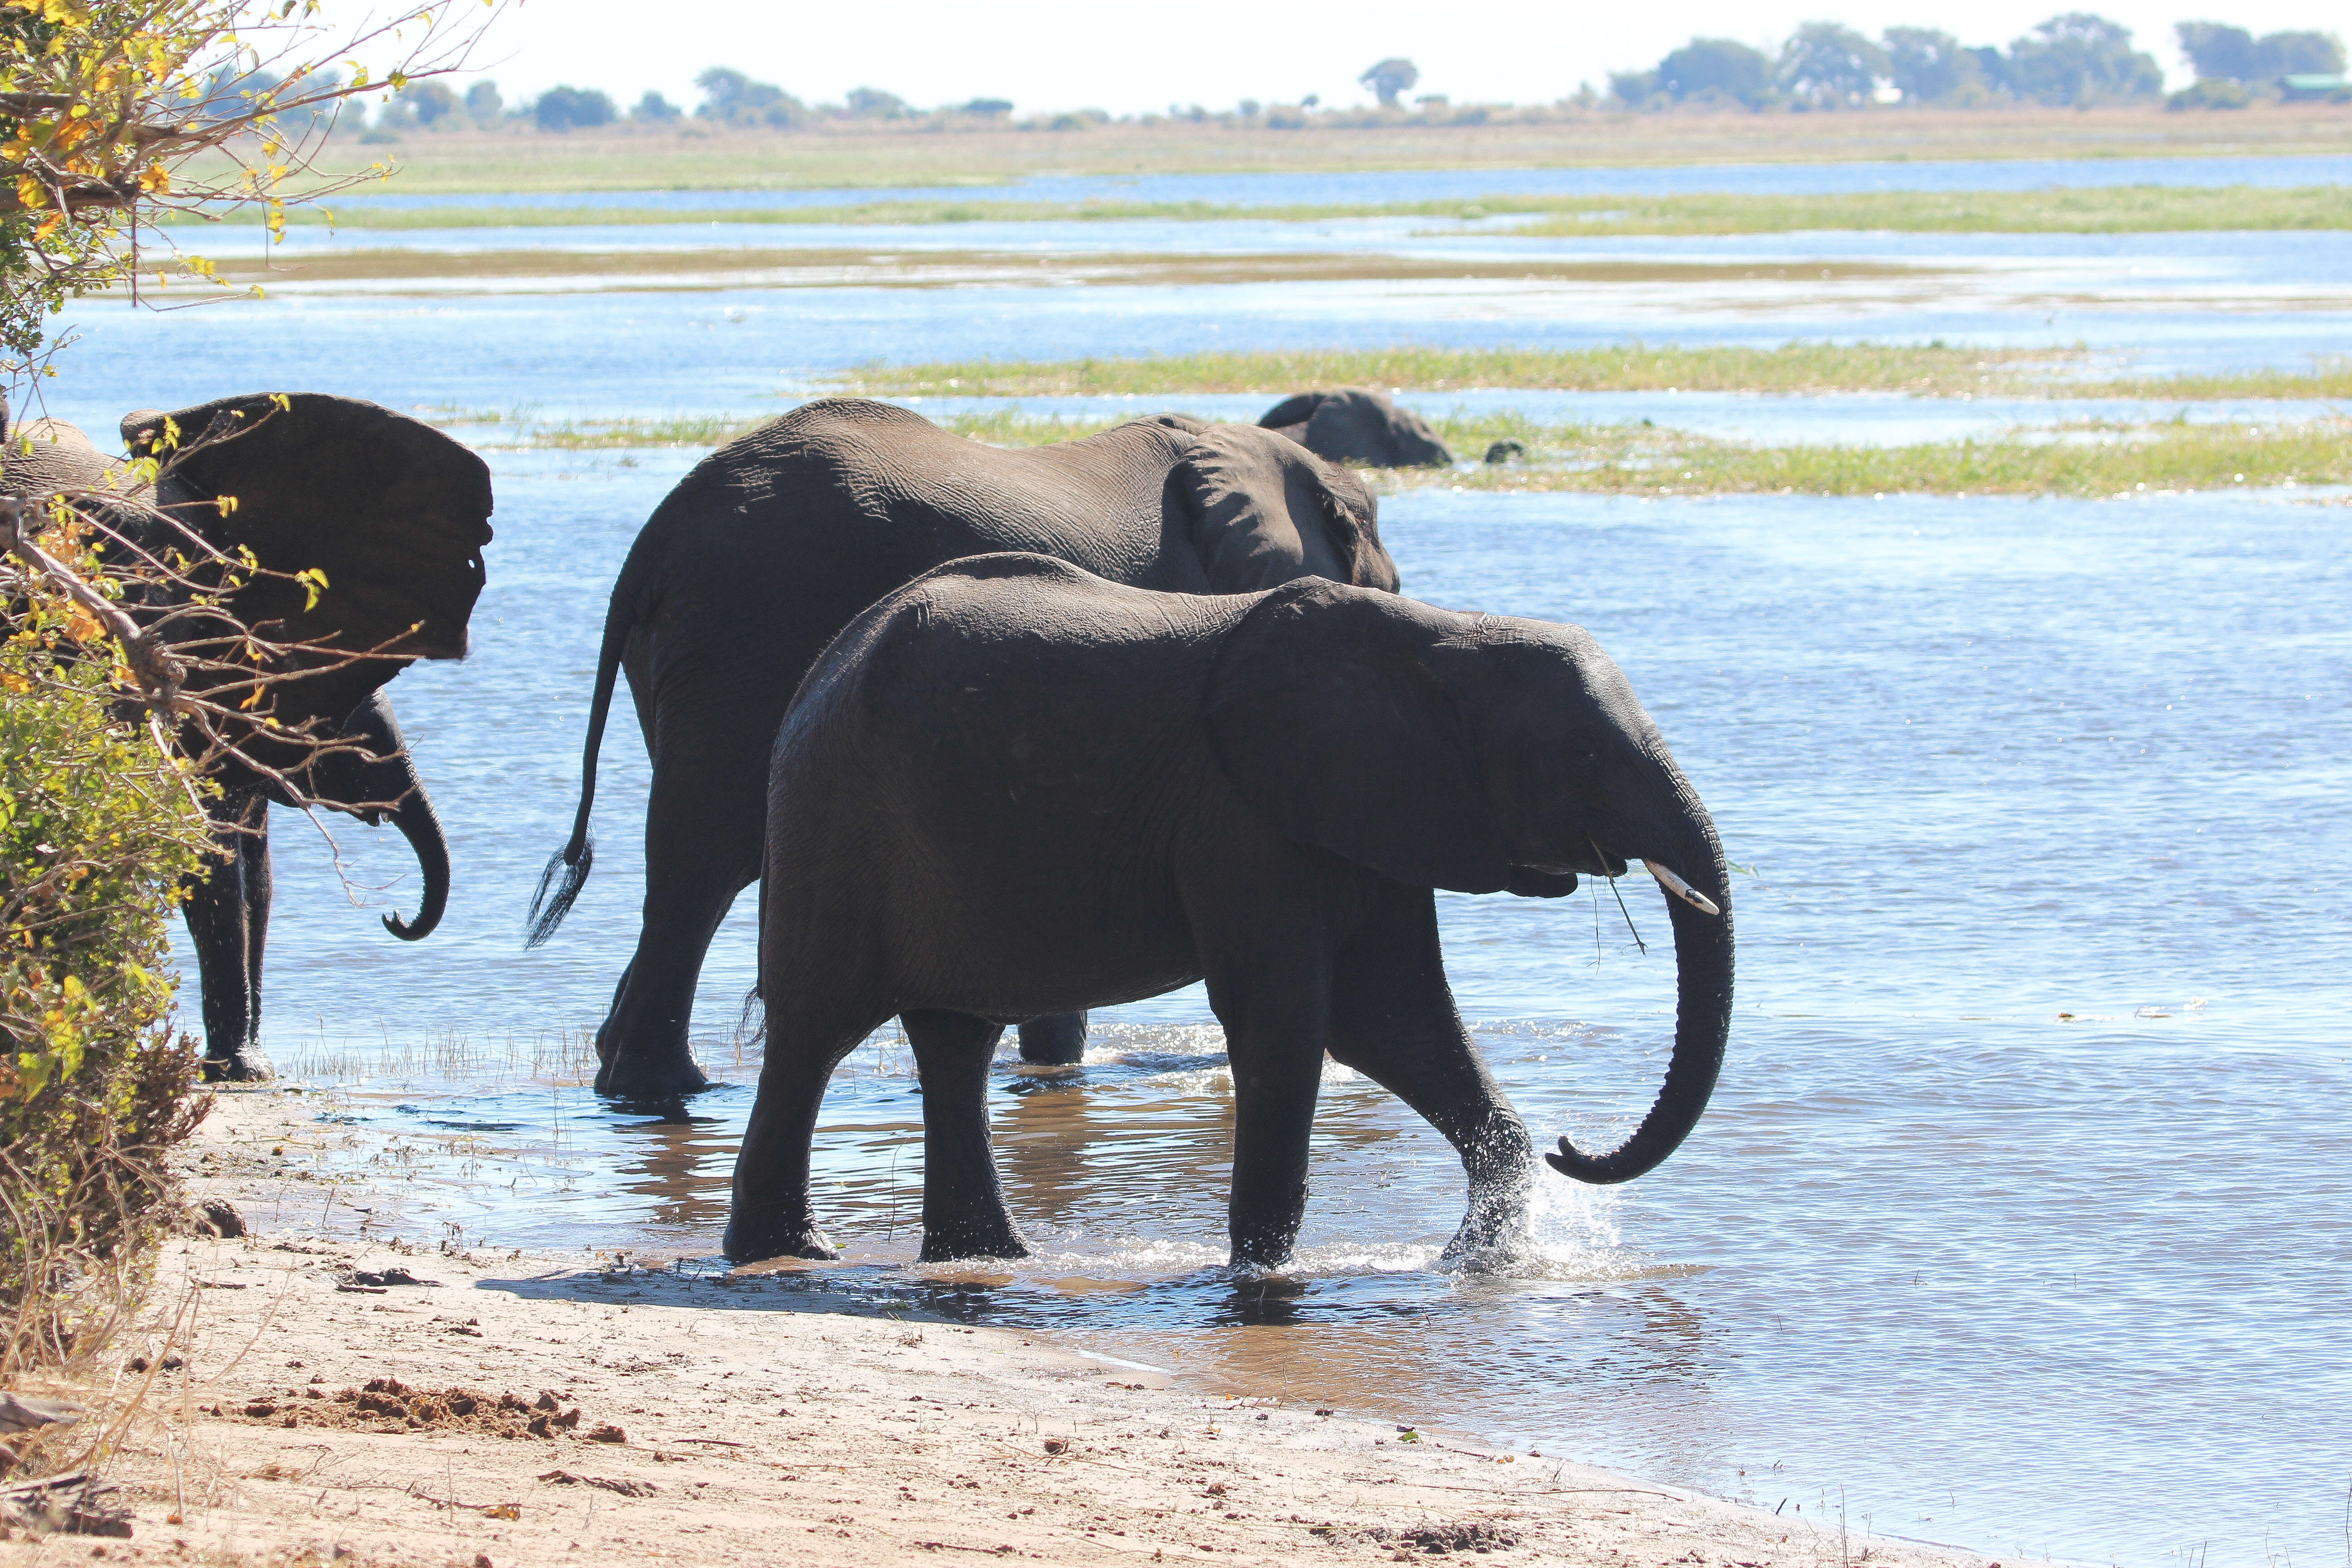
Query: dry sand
[{"x": 726, "y": 1419}]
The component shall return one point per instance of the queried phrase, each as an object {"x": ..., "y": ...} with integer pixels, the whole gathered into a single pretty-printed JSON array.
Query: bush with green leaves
[{"x": 99, "y": 828}]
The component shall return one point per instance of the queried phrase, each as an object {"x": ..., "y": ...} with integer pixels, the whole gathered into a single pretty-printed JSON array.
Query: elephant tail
[{"x": 567, "y": 869}]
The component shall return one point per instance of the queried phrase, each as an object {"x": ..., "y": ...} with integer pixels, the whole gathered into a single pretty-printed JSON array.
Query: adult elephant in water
[
  {"x": 390, "y": 517},
  {"x": 748, "y": 569},
  {"x": 1356, "y": 424}
]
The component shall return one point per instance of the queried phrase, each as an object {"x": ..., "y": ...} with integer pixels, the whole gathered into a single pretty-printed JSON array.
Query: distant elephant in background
[
  {"x": 393, "y": 516},
  {"x": 1013, "y": 788},
  {"x": 748, "y": 569},
  {"x": 1357, "y": 426}
]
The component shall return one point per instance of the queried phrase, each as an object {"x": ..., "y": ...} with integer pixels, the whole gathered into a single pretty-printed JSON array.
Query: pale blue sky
[{"x": 1065, "y": 54}]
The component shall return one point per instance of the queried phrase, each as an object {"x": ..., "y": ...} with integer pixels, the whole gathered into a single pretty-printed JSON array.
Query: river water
[{"x": 2021, "y": 1215}]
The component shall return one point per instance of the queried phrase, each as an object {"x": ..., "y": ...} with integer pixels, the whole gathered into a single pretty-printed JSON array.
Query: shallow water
[{"x": 2017, "y": 1222}]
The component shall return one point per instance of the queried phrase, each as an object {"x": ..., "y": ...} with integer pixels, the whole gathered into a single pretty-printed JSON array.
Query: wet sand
[{"x": 716, "y": 1418}]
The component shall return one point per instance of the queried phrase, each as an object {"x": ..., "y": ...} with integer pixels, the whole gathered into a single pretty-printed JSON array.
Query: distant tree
[
  {"x": 730, "y": 98},
  {"x": 989, "y": 107},
  {"x": 1993, "y": 65},
  {"x": 1926, "y": 65},
  {"x": 571, "y": 109},
  {"x": 2217, "y": 51},
  {"x": 873, "y": 103},
  {"x": 1391, "y": 79},
  {"x": 2298, "y": 54},
  {"x": 483, "y": 103},
  {"x": 1827, "y": 66},
  {"x": 653, "y": 109},
  {"x": 1722, "y": 65},
  {"x": 432, "y": 104},
  {"x": 1632, "y": 89},
  {"x": 2079, "y": 58},
  {"x": 1247, "y": 108}
]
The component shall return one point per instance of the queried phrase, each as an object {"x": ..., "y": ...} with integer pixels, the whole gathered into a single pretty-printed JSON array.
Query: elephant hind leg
[
  {"x": 963, "y": 1203},
  {"x": 1059, "y": 1039}
]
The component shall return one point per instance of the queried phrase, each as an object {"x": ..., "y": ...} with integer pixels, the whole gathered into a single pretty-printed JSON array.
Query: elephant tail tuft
[{"x": 566, "y": 874}]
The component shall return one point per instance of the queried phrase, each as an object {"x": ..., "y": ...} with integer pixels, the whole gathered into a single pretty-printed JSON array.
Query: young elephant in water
[{"x": 1011, "y": 788}]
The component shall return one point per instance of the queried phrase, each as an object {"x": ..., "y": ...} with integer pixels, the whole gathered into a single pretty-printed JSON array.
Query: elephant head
[
  {"x": 1260, "y": 512},
  {"x": 1356, "y": 425},
  {"x": 1480, "y": 753},
  {"x": 388, "y": 513}
]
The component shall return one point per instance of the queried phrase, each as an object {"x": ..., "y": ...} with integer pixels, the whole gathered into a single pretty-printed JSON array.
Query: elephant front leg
[
  {"x": 227, "y": 913},
  {"x": 1393, "y": 1020},
  {"x": 963, "y": 1202}
]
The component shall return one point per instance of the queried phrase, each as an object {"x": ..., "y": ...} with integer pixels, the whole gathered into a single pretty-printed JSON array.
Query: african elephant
[
  {"x": 759, "y": 556},
  {"x": 391, "y": 516},
  {"x": 1356, "y": 424},
  {"x": 1011, "y": 788}
]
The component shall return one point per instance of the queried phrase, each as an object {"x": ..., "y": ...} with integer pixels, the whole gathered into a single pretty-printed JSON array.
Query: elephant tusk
[{"x": 1680, "y": 888}]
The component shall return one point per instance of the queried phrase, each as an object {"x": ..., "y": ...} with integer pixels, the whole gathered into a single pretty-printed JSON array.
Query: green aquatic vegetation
[
  {"x": 2084, "y": 458},
  {"x": 1933, "y": 368},
  {"x": 1922, "y": 370},
  {"x": 2079, "y": 458},
  {"x": 2074, "y": 458},
  {"x": 2112, "y": 209}
]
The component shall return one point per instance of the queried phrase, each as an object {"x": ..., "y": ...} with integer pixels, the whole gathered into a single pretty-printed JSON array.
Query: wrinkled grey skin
[
  {"x": 1011, "y": 788},
  {"x": 1358, "y": 427},
  {"x": 773, "y": 544},
  {"x": 399, "y": 544}
]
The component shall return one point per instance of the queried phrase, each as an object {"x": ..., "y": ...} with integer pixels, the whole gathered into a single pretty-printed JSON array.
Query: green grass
[
  {"x": 1928, "y": 369},
  {"x": 2079, "y": 458},
  {"x": 691, "y": 158},
  {"x": 2122, "y": 209},
  {"x": 2115, "y": 209},
  {"x": 2084, "y": 458}
]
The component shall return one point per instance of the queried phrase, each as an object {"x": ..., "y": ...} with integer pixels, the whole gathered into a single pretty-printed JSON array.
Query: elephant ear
[
  {"x": 1260, "y": 510},
  {"x": 44, "y": 457},
  {"x": 1327, "y": 719},
  {"x": 1290, "y": 415},
  {"x": 389, "y": 513}
]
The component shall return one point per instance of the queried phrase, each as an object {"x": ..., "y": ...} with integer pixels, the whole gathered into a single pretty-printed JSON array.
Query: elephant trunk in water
[
  {"x": 378, "y": 782},
  {"x": 1703, "y": 963}
]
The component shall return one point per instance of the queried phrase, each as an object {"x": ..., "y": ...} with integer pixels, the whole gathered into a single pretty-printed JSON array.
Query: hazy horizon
[{"x": 1053, "y": 55}]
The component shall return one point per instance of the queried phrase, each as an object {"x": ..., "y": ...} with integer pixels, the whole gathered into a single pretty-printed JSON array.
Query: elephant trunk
[
  {"x": 421, "y": 825},
  {"x": 1703, "y": 963}
]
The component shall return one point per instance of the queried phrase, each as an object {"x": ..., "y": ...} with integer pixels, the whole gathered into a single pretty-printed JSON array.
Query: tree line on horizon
[
  {"x": 2077, "y": 58},
  {"x": 2073, "y": 60}
]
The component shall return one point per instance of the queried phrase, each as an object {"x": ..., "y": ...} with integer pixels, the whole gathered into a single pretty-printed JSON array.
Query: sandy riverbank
[{"x": 731, "y": 1419}]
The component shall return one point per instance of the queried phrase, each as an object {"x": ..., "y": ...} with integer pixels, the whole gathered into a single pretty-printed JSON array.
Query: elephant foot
[
  {"x": 248, "y": 1065},
  {"x": 659, "y": 1075},
  {"x": 752, "y": 1241},
  {"x": 976, "y": 1237},
  {"x": 1057, "y": 1040}
]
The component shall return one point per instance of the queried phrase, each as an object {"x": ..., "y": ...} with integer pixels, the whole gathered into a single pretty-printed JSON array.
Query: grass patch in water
[
  {"x": 2106, "y": 209},
  {"x": 2085, "y": 457},
  {"x": 1630, "y": 367},
  {"x": 1929, "y": 370},
  {"x": 2081, "y": 458}
]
